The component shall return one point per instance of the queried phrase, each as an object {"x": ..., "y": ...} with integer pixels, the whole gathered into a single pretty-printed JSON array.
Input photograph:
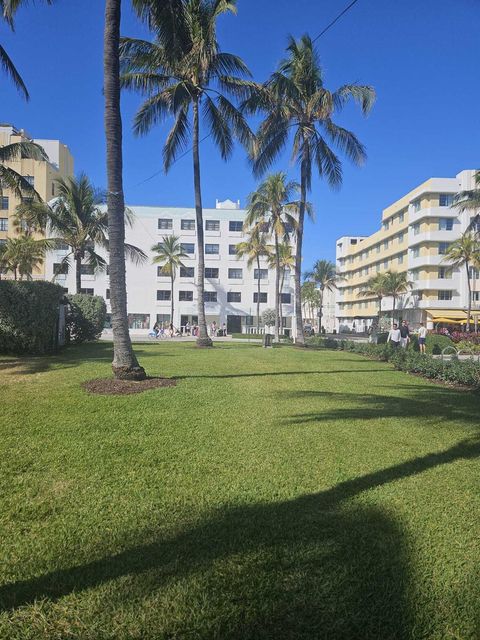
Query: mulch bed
[{"x": 112, "y": 387}]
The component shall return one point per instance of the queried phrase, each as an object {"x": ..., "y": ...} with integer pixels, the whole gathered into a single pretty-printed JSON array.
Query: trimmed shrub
[
  {"x": 436, "y": 343},
  {"x": 85, "y": 318},
  {"x": 29, "y": 316}
]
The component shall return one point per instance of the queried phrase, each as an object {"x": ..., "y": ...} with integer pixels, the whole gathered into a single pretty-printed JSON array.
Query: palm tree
[
  {"x": 8, "y": 9},
  {"x": 125, "y": 363},
  {"x": 270, "y": 208},
  {"x": 254, "y": 248},
  {"x": 375, "y": 288},
  {"x": 465, "y": 252},
  {"x": 170, "y": 255},
  {"x": 324, "y": 275},
  {"x": 179, "y": 78},
  {"x": 76, "y": 220},
  {"x": 308, "y": 294},
  {"x": 395, "y": 285},
  {"x": 470, "y": 201},
  {"x": 11, "y": 179},
  {"x": 296, "y": 103},
  {"x": 21, "y": 255},
  {"x": 287, "y": 261}
]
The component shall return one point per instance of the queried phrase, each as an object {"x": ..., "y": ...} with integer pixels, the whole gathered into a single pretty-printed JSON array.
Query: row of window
[
  {"x": 444, "y": 200},
  {"x": 212, "y": 273},
  {"x": 189, "y": 225},
  {"x": 165, "y": 295},
  {"x": 444, "y": 224},
  {"x": 62, "y": 269}
]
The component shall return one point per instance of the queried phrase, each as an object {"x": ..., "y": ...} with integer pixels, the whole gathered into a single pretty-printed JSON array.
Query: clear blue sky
[{"x": 422, "y": 57}]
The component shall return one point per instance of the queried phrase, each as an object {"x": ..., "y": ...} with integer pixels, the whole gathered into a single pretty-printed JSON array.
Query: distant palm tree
[
  {"x": 465, "y": 252},
  {"x": 179, "y": 76},
  {"x": 297, "y": 104},
  {"x": 21, "y": 255},
  {"x": 271, "y": 209},
  {"x": 470, "y": 201},
  {"x": 75, "y": 219},
  {"x": 8, "y": 9},
  {"x": 169, "y": 255},
  {"x": 11, "y": 179},
  {"x": 254, "y": 248},
  {"x": 396, "y": 284},
  {"x": 375, "y": 287},
  {"x": 287, "y": 261},
  {"x": 310, "y": 300},
  {"x": 325, "y": 277}
]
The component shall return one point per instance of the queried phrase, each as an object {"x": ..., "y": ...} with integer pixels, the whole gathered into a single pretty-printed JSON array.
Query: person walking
[
  {"x": 394, "y": 336},
  {"x": 404, "y": 334},
  {"x": 156, "y": 329},
  {"x": 422, "y": 337}
]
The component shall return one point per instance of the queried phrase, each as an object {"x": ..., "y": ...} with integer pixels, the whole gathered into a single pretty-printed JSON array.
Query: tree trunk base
[
  {"x": 204, "y": 342},
  {"x": 129, "y": 373}
]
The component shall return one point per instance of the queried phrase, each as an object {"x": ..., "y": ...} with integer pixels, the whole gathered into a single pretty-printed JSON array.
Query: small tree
[
  {"x": 268, "y": 317},
  {"x": 169, "y": 255}
]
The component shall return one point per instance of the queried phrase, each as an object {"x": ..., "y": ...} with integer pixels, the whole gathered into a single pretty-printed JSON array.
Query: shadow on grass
[
  {"x": 312, "y": 567},
  {"x": 268, "y": 374}
]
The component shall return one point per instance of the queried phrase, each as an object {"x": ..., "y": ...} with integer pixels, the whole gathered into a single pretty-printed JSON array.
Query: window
[
  {"x": 416, "y": 204},
  {"x": 163, "y": 318},
  {"x": 444, "y": 273},
  {"x": 286, "y": 298},
  {"x": 87, "y": 270},
  {"x": 401, "y": 237},
  {"x": 211, "y": 272},
  {"x": 235, "y": 274},
  {"x": 163, "y": 271},
  {"x": 88, "y": 292},
  {"x": 260, "y": 274},
  {"x": 235, "y": 225},
  {"x": 416, "y": 252},
  {"x": 288, "y": 228},
  {"x": 210, "y": 296},
  {"x": 445, "y": 224},
  {"x": 164, "y": 294},
  {"x": 4, "y": 203},
  {"x": 187, "y": 225},
  {"x": 212, "y": 225},
  {"x": 185, "y": 296},
  {"x": 59, "y": 268},
  {"x": 62, "y": 247},
  {"x": 353, "y": 241},
  {"x": 138, "y": 321},
  {"x": 416, "y": 229},
  {"x": 474, "y": 274},
  {"x": 400, "y": 259},
  {"x": 234, "y": 296},
  {"x": 475, "y": 296},
  {"x": 187, "y": 272},
  {"x": 187, "y": 247},
  {"x": 445, "y": 199},
  {"x": 385, "y": 264},
  {"x": 232, "y": 249},
  {"x": 263, "y": 297},
  {"x": 443, "y": 247},
  {"x": 165, "y": 223},
  {"x": 378, "y": 248},
  {"x": 445, "y": 295},
  {"x": 211, "y": 249},
  {"x": 3, "y": 224},
  {"x": 401, "y": 217},
  {"x": 385, "y": 244},
  {"x": 107, "y": 294},
  {"x": 30, "y": 180},
  {"x": 386, "y": 224}
]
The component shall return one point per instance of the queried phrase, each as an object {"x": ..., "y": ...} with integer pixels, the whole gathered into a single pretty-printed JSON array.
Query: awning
[
  {"x": 450, "y": 320},
  {"x": 445, "y": 315}
]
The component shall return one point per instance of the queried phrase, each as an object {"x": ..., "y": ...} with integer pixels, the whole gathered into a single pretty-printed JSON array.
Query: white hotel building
[{"x": 230, "y": 285}]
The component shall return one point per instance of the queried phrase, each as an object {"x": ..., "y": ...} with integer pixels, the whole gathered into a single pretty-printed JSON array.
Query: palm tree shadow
[{"x": 312, "y": 567}]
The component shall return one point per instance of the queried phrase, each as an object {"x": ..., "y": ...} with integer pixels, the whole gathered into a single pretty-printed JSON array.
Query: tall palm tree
[
  {"x": 396, "y": 284},
  {"x": 254, "y": 248},
  {"x": 465, "y": 252},
  {"x": 169, "y": 255},
  {"x": 8, "y": 9},
  {"x": 270, "y": 208},
  {"x": 325, "y": 277},
  {"x": 21, "y": 255},
  {"x": 470, "y": 201},
  {"x": 183, "y": 81},
  {"x": 375, "y": 288},
  {"x": 310, "y": 300},
  {"x": 287, "y": 261},
  {"x": 75, "y": 219},
  {"x": 297, "y": 105}
]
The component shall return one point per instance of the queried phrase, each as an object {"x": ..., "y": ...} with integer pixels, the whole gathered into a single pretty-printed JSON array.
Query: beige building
[
  {"x": 40, "y": 174},
  {"x": 414, "y": 237}
]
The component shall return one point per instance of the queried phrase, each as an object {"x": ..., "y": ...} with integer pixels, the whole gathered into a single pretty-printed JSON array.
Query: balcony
[
  {"x": 431, "y": 212},
  {"x": 430, "y": 260},
  {"x": 431, "y": 236},
  {"x": 435, "y": 284}
]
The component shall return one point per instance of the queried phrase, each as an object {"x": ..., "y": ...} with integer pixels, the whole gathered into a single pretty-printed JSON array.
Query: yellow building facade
[{"x": 415, "y": 233}]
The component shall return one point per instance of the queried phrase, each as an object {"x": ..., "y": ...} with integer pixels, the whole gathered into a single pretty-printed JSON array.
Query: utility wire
[{"x": 329, "y": 26}]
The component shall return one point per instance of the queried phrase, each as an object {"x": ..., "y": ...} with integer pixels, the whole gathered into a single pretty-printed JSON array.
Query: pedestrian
[
  {"x": 224, "y": 329},
  {"x": 156, "y": 329},
  {"x": 187, "y": 328},
  {"x": 171, "y": 329},
  {"x": 422, "y": 337},
  {"x": 404, "y": 334},
  {"x": 213, "y": 329},
  {"x": 394, "y": 336}
]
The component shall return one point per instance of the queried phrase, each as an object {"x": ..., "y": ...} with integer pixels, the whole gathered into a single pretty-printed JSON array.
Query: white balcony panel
[{"x": 432, "y": 212}]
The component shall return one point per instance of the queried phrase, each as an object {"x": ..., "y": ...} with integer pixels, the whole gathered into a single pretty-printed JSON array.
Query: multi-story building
[
  {"x": 415, "y": 234},
  {"x": 230, "y": 285},
  {"x": 40, "y": 174}
]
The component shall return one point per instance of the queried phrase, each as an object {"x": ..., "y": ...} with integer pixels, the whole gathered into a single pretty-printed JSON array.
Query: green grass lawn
[{"x": 271, "y": 494}]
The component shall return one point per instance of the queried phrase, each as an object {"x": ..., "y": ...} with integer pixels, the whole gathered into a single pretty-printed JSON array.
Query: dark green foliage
[
  {"x": 28, "y": 316},
  {"x": 436, "y": 343},
  {"x": 382, "y": 337},
  {"x": 85, "y": 318}
]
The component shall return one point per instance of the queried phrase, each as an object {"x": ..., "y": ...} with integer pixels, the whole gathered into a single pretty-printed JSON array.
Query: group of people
[
  {"x": 168, "y": 330},
  {"x": 400, "y": 336}
]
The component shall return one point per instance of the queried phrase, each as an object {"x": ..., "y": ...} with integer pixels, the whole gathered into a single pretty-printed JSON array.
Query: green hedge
[
  {"x": 29, "y": 316},
  {"x": 85, "y": 318}
]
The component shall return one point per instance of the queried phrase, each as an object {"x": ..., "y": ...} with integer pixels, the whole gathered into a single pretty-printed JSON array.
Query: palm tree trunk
[
  {"x": 78, "y": 273},
  {"x": 299, "y": 337},
  {"x": 277, "y": 290},
  {"x": 125, "y": 364},
  {"x": 379, "y": 311},
  {"x": 280, "y": 309},
  {"x": 172, "y": 298},
  {"x": 393, "y": 309},
  {"x": 258, "y": 294},
  {"x": 203, "y": 340},
  {"x": 469, "y": 295},
  {"x": 320, "y": 313}
]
